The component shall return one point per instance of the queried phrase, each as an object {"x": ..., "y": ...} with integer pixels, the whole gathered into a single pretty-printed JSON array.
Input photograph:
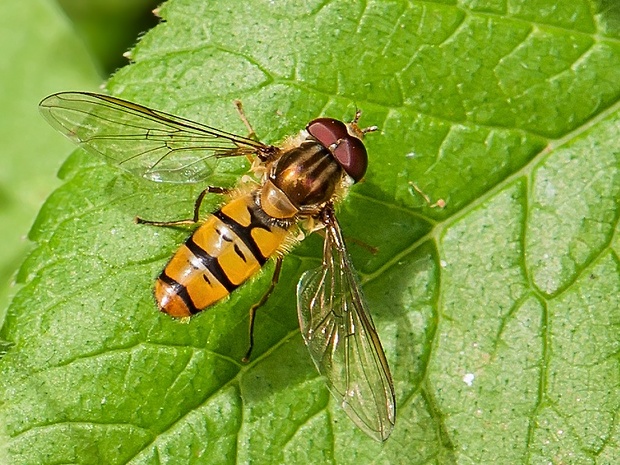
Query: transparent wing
[
  {"x": 146, "y": 142},
  {"x": 342, "y": 340}
]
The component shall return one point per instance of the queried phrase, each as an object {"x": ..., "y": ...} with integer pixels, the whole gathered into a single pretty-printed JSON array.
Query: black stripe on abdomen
[
  {"x": 181, "y": 291},
  {"x": 245, "y": 232},
  {"x": 211, "y": 264}
]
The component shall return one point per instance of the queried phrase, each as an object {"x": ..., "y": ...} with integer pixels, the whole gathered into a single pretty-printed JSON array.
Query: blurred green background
[{"x": 48, "y": 46}]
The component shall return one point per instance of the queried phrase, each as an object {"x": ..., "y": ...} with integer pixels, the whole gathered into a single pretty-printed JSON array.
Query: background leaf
[
  {"x": 109, "y": 27},
  {"x": 38, "y": 54},
  {"x": 499, "y": 314}
]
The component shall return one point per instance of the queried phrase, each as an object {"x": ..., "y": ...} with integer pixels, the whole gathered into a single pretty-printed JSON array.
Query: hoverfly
[{"x": 293, "y": 185}]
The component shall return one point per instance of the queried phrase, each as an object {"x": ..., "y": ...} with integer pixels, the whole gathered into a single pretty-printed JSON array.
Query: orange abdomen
[{"x": 224, "y": 252}]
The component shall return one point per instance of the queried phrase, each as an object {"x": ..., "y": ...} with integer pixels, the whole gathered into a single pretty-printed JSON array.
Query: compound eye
[
  {"x": 349, "y": 151},
  {"x": 327, "y": 131},
  {"x": 352, "y": 156}
]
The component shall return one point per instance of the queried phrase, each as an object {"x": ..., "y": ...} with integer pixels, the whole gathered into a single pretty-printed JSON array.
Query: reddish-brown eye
[
  {"x": 327, "y": 130},
  {"x": 349, "y": 151},
  {"x": 352, "y": 156}
]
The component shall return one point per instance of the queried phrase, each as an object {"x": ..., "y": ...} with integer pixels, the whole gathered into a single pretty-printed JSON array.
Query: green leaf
[
  {"x": 109, "y": 27},
  {"x": 499, "y": 314},
  {"x": 39, "y": 55}
]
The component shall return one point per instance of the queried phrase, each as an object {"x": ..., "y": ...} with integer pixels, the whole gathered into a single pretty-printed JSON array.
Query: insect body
[
  {"x": 225, "y": 251},
  {"x": 238, "y": 239},
  {"x": 296, "y": 185}
]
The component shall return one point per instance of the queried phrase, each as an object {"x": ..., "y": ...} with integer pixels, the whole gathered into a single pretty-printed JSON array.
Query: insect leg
[
  {"x": 251, "y": 132},
  {"x": 260, "y": 303},
  {"x": 197, "y": 204},
  {"x": 369, "y": 248},
  {"x": 201, "y": 196},
  {"x": 362, "y": 131},
  {"x": 441, "y": 203}
]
